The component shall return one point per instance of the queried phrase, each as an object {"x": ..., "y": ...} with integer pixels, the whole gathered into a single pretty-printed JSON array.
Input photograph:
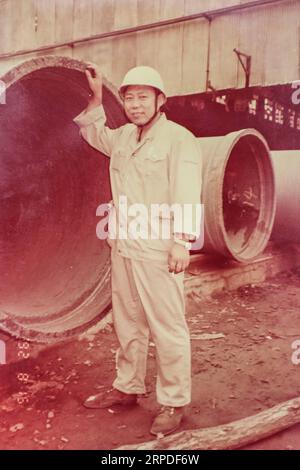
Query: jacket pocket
[
  {"x": 156, "y": 179},
  {"x": 156, "y": 166},
  {"x": 118, "y": 161}
]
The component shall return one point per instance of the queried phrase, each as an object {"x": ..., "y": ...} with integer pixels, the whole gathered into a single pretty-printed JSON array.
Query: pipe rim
[
  {"x": 24, "y": 68},
  {"x": 220, "y": 239}
]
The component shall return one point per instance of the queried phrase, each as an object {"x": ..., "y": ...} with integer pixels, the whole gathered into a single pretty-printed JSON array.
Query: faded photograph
[{"x": 149, "y": 232}]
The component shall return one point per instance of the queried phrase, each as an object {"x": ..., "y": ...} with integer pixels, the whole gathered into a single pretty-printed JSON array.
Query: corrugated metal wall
[{"x": 270, "y": 34}]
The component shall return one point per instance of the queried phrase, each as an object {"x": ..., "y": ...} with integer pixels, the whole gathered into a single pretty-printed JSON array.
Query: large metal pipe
[
  {"x": 54, "y": 271},
  {"x": 238, "y": 194},
  {"x": 287, "y": 176}
]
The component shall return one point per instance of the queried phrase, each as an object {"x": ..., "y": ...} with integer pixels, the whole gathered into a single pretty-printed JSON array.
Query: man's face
[{"x": 139, "y": 103}]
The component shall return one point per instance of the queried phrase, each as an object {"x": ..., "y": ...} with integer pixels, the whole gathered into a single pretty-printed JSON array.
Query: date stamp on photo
[
  {"x": 296, "y": 354},
  {"x": 23, "y": 377},
  {"x": 2, "y": 352}
]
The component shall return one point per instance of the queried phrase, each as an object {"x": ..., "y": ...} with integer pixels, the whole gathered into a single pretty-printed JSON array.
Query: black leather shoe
[
  {"x": 109, "y": 398},
  {"x": 168, "y": 420}
]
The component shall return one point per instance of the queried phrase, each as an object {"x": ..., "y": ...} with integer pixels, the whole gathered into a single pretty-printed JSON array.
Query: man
[{"x": 153, "y": 161}]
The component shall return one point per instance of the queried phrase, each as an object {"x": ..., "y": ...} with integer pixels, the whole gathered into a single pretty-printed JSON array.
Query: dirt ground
[{"x": 242, "y": 365}]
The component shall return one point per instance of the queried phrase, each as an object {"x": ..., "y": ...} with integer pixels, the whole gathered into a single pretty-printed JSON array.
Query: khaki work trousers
[{"x": 147, "y": 299}]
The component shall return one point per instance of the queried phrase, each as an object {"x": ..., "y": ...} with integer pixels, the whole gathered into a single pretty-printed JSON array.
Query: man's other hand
[{"x": 179, "y": 258}]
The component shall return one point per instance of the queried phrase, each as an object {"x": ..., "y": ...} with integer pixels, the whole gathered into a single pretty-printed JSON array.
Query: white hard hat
[{"x": 143, "y": 75}]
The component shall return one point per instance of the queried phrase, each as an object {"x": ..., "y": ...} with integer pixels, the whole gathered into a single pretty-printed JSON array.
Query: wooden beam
[{"x": 232, "y": 435}]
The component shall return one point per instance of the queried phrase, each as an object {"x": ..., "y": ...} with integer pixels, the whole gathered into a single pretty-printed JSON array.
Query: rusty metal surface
[{"x": 54, "y": 271}]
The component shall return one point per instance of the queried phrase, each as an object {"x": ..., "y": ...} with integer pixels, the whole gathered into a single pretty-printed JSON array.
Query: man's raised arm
[{"x": 92, "y": 120}]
